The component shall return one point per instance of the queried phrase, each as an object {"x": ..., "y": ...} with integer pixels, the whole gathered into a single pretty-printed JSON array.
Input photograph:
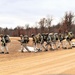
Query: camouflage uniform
[
  {"x": 36, "y": 41},
  {"x": 61, "y": 38},
  {"x": 57, "y": 41},
  {"x": 69, "y": 36},
  {"x": 44, "y": 38},
  {"x": 24, "y": 41},
  {"x": 4, "y": 45},
  {"x": 51, "y": 40}
]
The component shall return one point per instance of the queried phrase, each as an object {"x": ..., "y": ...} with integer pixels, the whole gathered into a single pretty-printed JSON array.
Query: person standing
[
  {"x": 24, "y": 41},
  {"x": 3, "y": 45}
]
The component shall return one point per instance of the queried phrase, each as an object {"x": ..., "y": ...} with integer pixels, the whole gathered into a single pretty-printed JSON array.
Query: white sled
[
  {"x": 73, "y": 44},
  {"x": 30, "y": 49}
]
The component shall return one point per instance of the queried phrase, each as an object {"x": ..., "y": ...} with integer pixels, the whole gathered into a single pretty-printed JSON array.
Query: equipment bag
[{"x": 7, "y": 39}]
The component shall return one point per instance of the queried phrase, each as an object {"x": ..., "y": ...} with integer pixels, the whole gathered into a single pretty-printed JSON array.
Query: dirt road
[{"x": 43, "y": 63}]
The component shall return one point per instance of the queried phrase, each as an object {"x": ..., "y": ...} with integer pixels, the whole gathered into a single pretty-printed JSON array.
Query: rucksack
[
  {"x": 7, "y": 39},
  {"x": 25, "y": 39},
  {"x": 45, "y": 36}
]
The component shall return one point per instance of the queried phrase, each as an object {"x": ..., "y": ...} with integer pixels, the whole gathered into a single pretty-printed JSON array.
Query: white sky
[{"x": 21, "y": 12}]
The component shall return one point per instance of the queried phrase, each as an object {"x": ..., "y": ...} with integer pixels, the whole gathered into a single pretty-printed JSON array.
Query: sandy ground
[{"x": 58, "y": 62}]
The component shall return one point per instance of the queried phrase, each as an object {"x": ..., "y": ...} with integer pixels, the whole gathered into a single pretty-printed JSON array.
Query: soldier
[
  {"x": 36, "y": 41},
  {"x": 24, "y": 41},
  {"x": 21, "y": 36},
  {"x": 4, "y": 41},
  {"x": 61, "y": 38},
  {"x": 57, "y": 41},
  {"x": 44, "y": 38},
  {"x": 69, "y": 36},
  {"x": 51, "y": 41}
]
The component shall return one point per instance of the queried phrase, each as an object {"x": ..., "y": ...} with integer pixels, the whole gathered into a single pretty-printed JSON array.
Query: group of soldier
[{"x": 54, "y": 40}]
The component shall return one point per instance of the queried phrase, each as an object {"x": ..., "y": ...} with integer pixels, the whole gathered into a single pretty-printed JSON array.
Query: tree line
[{"x": 43, "y": 26}]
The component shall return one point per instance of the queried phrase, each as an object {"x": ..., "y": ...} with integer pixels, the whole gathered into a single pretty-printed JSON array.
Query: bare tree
[
  {"x": 41, "y": 22},
  {"x": 49, "y": 21},
  {"x": 68, "y": 21}
]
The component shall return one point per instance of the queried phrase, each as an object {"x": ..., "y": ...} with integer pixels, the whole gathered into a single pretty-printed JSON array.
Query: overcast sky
[{"x": 21, "y": 12}]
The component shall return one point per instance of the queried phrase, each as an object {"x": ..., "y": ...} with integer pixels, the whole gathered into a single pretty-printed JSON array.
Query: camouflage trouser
[
  {"x": 23, "y": 45},
  {"x": 57, "y": 44},
  {"x": 42, "y": 46},
  {"x": 69, "y": 44},
  {"x": 37, "y": 47},
  {"x": 4, "y": 47},
  {"x": 66, "y": 44},
  {"x": 53, "y": 45}
]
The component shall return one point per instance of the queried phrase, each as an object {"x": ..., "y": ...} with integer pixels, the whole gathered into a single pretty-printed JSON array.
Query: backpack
[
  {"x": 37, "y": 38},
  {"x": 45, "y": 36},
  {"x": 7, "y": 39},
  {"x": 71, "y": 35},
  {"x": 25, "y": 39}
]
